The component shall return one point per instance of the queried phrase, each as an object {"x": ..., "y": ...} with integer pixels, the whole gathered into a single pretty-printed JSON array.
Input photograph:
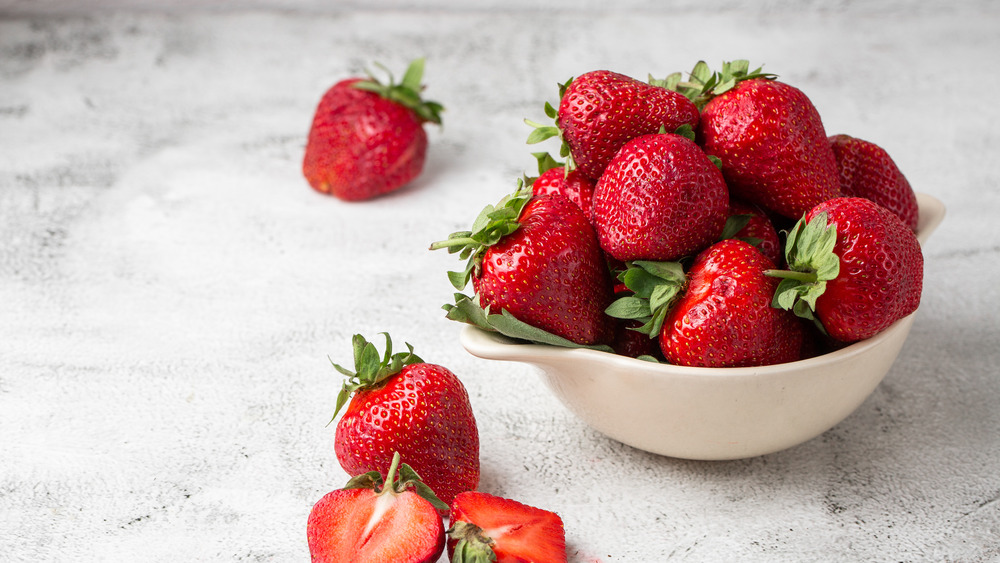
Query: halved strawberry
[
  {"x": 373, "y": 520},
  {"x": 485, "y": 528}
]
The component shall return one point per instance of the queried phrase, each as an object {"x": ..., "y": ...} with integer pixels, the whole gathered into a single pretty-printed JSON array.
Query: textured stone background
[{"x": 171, "y": 289}]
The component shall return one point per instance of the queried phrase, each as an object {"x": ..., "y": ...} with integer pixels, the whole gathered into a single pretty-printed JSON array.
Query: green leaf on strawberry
[
  {"x": 399, "y": 478},
  {"x": 467, "y": 310},
  {"x": 704, "y": 84},
  {"x": 811, "y": 263},
  {"x": 492, "y": 224},
  {"x": 406, "y": 92},
  {"x": 370, "y": 368},
  {"x": 654, "y": 286}
]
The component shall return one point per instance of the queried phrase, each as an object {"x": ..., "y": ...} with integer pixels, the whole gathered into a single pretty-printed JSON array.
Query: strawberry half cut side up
[
  {"x": 538, "y": 272},
  {"x": 487, "y": 528},
  {"x": 375, "y": 520}
]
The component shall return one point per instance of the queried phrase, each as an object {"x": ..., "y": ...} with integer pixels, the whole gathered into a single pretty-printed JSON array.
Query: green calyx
[
  {"x": 655, "y": 286},
  {"x": 704, "y": 84},
  {"x": 542, "y": 132},
  {"x": 472, "y": 545},
  {"x": 467, "y": 310},
  {"x": 406, "y": 92},
  {"x": 493, "y": 223},
  {"x": 370, "y": 368},
  {"x": 399, "y": 478},
  {"x": 811, "y": 263}
]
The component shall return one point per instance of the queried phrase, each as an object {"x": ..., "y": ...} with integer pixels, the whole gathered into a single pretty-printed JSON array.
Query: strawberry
[
  {"x": 367, "y": 138},
  {"x": 485, "y": 528},
  {"x": 536, "y": 259},
  {"x": 718, "y": 313},
  {"x": 600, "y": 111},
  {"x": 769, "y": 138},
  {"x": 866, "y": 170},
  {"x": 554, "y": 178},
  {"x": 375, "y": 520},
  {"x": 854, "y": 268},
  {"x": 660, "y": 198},
  {"x": 401, "y": 404},
  {"x": 750, "y": 223},
  {"x": 725, "y": 318}
]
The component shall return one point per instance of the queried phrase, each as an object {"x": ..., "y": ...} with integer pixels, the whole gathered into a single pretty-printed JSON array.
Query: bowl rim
[{"x": 496, "y": 346}]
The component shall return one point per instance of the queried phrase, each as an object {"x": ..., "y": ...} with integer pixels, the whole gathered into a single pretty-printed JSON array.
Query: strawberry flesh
[{"x": 519, "y": 533}]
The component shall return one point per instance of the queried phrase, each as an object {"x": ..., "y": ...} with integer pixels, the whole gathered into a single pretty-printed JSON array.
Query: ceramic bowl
[{"x": 711, "y": 413}]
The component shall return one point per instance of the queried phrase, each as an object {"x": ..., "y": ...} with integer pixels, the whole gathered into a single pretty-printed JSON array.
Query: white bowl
[{"x": 711, "y": 413}]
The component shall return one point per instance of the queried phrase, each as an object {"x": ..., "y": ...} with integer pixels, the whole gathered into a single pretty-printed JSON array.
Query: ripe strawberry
[
  {"x": 750, "y": 223},
  {"x": 660, "y": 198},
  {"x": 554, "y": 179},
  {"x": 725, "y": 318},
  {"x": 718, "y": 314},
  {"x": 867, "y": 171},
  {"x": 485, "y": 527},
  {"x": 537, "y": 259},
  {"x": 854, "y": 268},
  {"x": 769, "y": 138},
  {"x": 372, "y": 520},
  {"x": 367, "y": 138},
  {"x": 600, "y": 111},
  {"x": 401, "y": 404}
]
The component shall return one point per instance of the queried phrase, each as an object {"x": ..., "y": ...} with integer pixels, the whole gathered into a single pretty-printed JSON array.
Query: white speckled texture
[{"x": 171, "y": 289}]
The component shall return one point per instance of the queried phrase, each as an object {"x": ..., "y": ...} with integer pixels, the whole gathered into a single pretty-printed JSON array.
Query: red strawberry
[
  {"x": 855, "y": 268},
  {"x": 660, "y": 198},
  {"x": 718, "y": 314},
  {"x": 554, "y": 179},
  {"x": 367, "y": 138},
  {"x": 485, "y": 527},
  {"x": 536, "y": 259},
  {"x": 725, "y": 318},
  {"x": 401, "y": 404},
  {"x": 867, "y": 171},
  {"x": 770, "y": 140},
  {"x": 600, "y": 111},
  {"x": 375, "y": 521},
  {"x": 750, "y": 223}
]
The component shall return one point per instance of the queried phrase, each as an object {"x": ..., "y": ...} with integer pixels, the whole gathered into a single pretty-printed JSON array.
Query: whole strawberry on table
[
  {"x": 693, "y": 180},
  {"x": 399, "y": 403},
  {"x": 367, "y": 137}
]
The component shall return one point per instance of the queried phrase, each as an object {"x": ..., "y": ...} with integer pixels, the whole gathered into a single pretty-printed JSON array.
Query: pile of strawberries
[
  {"x": 708, "y": 222},
  {"x": 701, "y": 222}
]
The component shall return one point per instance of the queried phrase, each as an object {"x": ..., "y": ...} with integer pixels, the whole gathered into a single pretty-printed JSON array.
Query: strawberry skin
[
  {"x": 866, "y": 170},
  {"x": 550, "y": 273},
  {"x": 571, "y": 185},
  {"x": 359, "y": 524},
  {"x": 758, "y": 230},
  {"x": 367, "y": 138},
  {"x": 660, "y": 198},
  {"x": 423, "y": 412},
  {"x": 513, "y": 531},
  {"x": 881, "y": 270},
  {"x": 725, "y": 317},
  {"x": 602, "y": 110},
  {"x": 362, "y": 145},
  {"x": 772, "y": 145}
]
